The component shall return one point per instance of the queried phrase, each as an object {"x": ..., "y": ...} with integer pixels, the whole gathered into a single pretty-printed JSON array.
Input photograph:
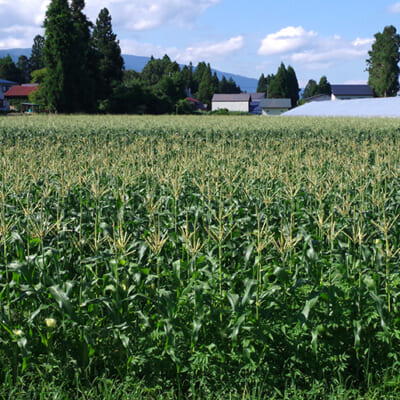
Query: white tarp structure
[{"x": 378, "y": 107}]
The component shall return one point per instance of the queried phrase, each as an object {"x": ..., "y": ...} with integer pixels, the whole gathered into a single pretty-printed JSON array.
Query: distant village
[{"x": 12, "y": 94}]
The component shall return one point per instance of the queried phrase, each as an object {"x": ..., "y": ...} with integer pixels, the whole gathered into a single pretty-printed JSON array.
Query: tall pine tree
[
  {"x": 278, "y": 88},
  {"x": 83, "y": 80},
  {"x": 58, "y": 57},
  {"x": 36, "y": 59},
  {"x": 293, "y": 86},
  {"x": 383, "y": 61},
  {"x": 110, "y": 61},
  {"x": 262, "y": 84}
]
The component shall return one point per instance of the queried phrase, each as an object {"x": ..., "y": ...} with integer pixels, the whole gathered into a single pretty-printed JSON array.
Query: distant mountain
[{"x": 138, "y": 62}]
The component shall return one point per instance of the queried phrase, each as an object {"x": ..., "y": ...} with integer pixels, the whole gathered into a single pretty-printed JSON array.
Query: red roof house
[{"x": 20, "y": 92}]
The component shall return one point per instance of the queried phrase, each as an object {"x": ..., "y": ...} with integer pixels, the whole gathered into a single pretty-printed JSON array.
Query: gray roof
[
  {"x": 275, "y": 103},
  {"x": 228, "y": 97},
  {"x": 352, "y": 90},
  {"x": 257, "y": 96},
  {"x": 4, "y": 81},
  {"x": 318, "y": 97},
  {"x": 376, "y": 107}
]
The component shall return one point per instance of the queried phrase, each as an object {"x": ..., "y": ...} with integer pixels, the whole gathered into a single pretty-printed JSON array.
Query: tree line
[{"x": 79, "y": 67}]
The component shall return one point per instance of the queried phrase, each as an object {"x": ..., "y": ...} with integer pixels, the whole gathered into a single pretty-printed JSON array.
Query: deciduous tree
[{"x": 382, "y": 64}]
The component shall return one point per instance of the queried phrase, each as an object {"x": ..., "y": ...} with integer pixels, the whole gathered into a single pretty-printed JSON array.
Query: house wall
[
  {"x": 349, "y": 97},
  {"x": 3, "y": 102},
  {"x": 273, "y": 111},
  {"x": 230, "y": 105}
]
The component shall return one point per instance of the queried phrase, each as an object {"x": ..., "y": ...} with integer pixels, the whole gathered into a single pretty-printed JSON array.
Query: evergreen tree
[
  {"x": 324, "y": 87},
  {"x": 187, "y": 77},
  {"x": 8, "y": 69},
  {"x": 58, "y": 57},
  {"x": 83, "y": 75},
  {"x": 310, "y": 89},
  {"x": 278, "y": 88},
  {"x": 382, "y": 64},
  {"x": 110, "y": 61},
  {"x": 206, "y": 87},
  {"x": 198, "y": 75},
  {"x": 262, "y": 86},
  {"x": 215, "y": 81},
  {"x": 293, "y": 86},
  {"x": 36, "y": 59},
  {"x": 24, "y": 67},
  {"x": 223, "y": 86},
  {"x": 232, "y": 87}
]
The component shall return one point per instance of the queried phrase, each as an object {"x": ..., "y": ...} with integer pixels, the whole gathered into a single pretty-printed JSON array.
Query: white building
[
  {"x": 4, "y": 87},
  {"x": 275, "y": 106},
  {"x": 231, "y": 101}
]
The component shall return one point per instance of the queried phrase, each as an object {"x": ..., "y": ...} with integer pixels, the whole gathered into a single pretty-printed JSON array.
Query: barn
[{"x": 231, "y": 101}]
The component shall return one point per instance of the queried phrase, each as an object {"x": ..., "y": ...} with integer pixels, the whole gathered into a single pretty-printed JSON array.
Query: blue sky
[{"x": 317, "y": 38}]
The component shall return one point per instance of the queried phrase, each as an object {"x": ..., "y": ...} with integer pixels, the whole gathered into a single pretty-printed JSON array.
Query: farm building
[
  {"x": 196, "y": 104},
  {"x": 275, "y": 106},
  {"x": 318, "y": 97},
  {"x": 347, "y": 92},
  {"x": 255, "y": 102},
  {"x": 242, "y": 102},
  {"x": 231, "y": 101},
  {"x": 19, "y": 93},
  {"x": 4, "y": 87}
]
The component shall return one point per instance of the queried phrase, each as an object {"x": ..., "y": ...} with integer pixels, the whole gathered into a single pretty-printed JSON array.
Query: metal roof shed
[{"x": 275, "y": 106}]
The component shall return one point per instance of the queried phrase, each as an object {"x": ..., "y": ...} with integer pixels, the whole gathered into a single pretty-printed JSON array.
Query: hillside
[{"x": 138, "y": 62}]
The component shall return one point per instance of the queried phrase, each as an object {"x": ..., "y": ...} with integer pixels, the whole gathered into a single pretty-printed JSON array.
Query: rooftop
[
  {"x": 231, "y": 97},
  {"x": 275, "y": 103},
  {"x": 4, "y": 81},
  {"x": 352, "y": 90},
  {"x": 20, "y": 91}
]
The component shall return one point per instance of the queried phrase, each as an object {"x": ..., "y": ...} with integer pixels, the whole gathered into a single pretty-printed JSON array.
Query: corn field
[{"x": 200, "y": 254}]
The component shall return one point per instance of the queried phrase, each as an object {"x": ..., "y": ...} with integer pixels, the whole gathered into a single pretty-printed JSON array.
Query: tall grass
[{"x": 200, "y": 255}]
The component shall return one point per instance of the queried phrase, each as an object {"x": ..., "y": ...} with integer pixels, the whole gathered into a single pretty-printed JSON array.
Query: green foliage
[
  {"x": 227, "y": 86},
  {"x": 36, "y": 59},
  {"x": 85, "y": 79},
  {"x": 262, "y": 85},
  {"x": 59, "y": 57},
  {"x": 108, "y": 52},
  {"x": 282, "y": 85},
  {"x": 324, "y": 87},
  {"x": 293, "y": 86},
  {"x": 278, "y": 88},
  {"x": 206, "y": 87},
  {"x": 8, "y": 70},
  {"x": 24, "y": 68},
  {"x": 311, "y": 89},
  {"x": 382, "y": 64}
]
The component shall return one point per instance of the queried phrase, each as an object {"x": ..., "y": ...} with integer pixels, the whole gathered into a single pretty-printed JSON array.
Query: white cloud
[
  {"x": 139, "y": 15},
  {"x": 205, "y": 52},
  {"x": 363, "y": 42},
  {"x": 134, "y": 15},
  {"x": 211, "y": 51},
  {"x": 395, "y": 8},
  {"x": 328, "y": 51},
  {"x": 286, "y": 40}
]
